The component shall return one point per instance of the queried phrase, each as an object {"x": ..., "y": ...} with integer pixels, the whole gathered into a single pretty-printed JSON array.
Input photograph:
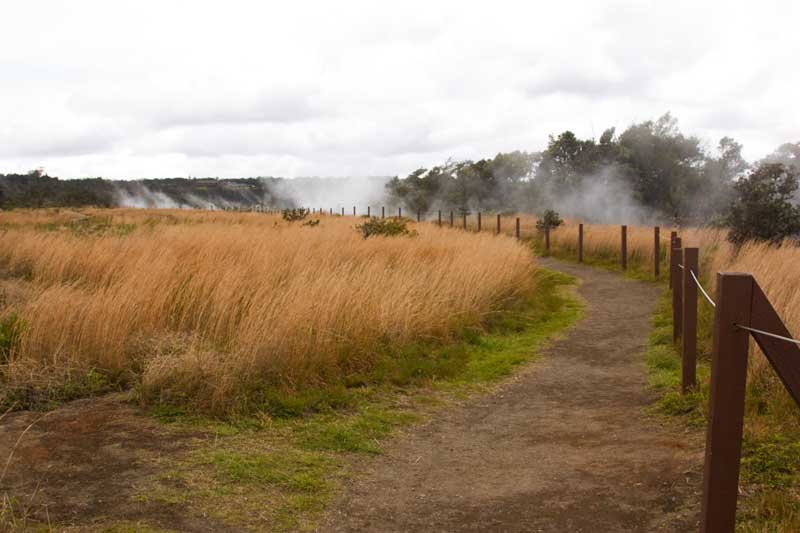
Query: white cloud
[{"x": 242, "y": 88}]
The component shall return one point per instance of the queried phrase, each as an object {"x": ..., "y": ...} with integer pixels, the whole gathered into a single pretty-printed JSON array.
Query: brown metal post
[
  {"x": 657, "y": 251},
  {"x": 547, "y": 237},
  {"x": 440, "y": 218},
  {"x": 498, "y": 223},
  {"x": 726, "y": 403},
  {"x": 676, "y": 257},
  {"x": 580, "y": 243},
  {"x": 624, "y": 247},
  {"x": 689, "y": 344},
  {"x": 451, "y": 218},
  {"x": 516, "y": 230},
  {"x": 479, "y": 221}
]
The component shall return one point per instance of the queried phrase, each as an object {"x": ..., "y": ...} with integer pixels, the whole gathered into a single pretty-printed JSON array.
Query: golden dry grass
[{"x": 205, "y": 305}]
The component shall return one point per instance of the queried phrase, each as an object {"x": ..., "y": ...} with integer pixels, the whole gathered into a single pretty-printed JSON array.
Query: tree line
[{"x": 651, "y": 165}]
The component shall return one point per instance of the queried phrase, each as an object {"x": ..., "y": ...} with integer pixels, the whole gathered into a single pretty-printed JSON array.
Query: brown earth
[
  {"x": 83, "y": 463},
  {"x": 566, "y": 446}
]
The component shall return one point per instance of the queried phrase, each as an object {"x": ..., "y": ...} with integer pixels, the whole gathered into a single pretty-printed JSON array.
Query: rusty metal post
[
  {"x": 624, "y": 247},
  {"x": 657, "y": 251},
  {"x": 580, "y": 243},
  {"x": 498, "y": 223},
  {"x": 676, "y": 256},
  {"x": 726, "y": 403},
  {"x": 451, "y": 218},
  {"x": 689, "y": 344},
  {"x": 479, "y": 221},
  {"x": 516, "y": 230},
  {"x": 547, "y": 238}
]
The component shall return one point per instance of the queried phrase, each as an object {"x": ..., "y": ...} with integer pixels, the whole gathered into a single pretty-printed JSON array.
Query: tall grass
[{"x": 207, "y": 306}]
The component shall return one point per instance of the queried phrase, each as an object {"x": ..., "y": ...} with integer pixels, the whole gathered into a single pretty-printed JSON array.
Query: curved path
[{"x": 565, "y": 446}]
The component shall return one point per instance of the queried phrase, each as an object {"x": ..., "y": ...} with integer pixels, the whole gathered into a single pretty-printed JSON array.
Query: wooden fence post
[
  {"x": 547, "y": 238},
  {"x": 451, "y": 218},
  {"x": 479, "y": 221},
  {"x": 399, "y": 212},
  {"x": 677, "y": 308},
  {"x": 440, "y": 218},
  {"x": 726, "y": 403},
  {"x": 657, "y": 251},
  {"x": 672, "y": 236},
  {"x": 580, "y": 243},
  {"x": 516, "y": 230},
  {"x": 498, "y": 223},
  {"x": 624, "y": 247},
  {"x": 689, "y": 348}
]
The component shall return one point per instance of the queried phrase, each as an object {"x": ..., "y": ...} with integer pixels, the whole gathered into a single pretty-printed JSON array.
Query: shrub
[
  {"x": 387, "y": 227},
  {"x": 549, "y": 219},
  {"x": 311, "y": 223},
  {"x": 763, "y": 207},
  {"x": 295, "y": 214}
]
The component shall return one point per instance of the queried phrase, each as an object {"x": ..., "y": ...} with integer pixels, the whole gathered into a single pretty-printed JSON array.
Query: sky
[{"x": 235, "y": 88}]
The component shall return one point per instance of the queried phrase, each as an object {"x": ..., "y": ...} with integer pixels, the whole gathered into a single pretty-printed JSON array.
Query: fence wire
[
  {"x": 699, "y": 286},
  {"x": 768, "y": 334}
]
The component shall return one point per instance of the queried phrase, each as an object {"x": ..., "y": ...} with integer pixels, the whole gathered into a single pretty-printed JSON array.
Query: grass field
[
  {"x": 770, "y": 485},
  {"x": 372, "y": 335},
  {"x": 214, "y": 308}
]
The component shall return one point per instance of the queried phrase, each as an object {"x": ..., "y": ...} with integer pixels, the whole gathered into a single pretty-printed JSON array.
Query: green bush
[
  {"x": 550, "y": 219},
  {"x": 295, "y": 214},
  {"x": 387, "y": 227}
]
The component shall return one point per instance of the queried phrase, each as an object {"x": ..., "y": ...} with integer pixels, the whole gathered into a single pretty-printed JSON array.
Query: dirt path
[{"x": 567, "y": 446}]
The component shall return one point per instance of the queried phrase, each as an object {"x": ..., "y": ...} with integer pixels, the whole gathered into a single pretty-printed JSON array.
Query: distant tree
[
  {"x": 762, "y": 208},
  {"x": 664, "y": 167},
  {"x": 716, "y": 191},
  {"x": 787, "y": 154}
]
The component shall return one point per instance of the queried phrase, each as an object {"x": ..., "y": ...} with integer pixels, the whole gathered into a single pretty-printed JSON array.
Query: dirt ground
[
  {"x": 82, "y": 463},
  {"x": 567, "y": 446}
]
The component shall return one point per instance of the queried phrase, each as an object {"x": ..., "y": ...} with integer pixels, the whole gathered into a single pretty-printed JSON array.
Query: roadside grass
[
  {"x": 770, "y": 471},
  {"x": 277, "y": 468}
]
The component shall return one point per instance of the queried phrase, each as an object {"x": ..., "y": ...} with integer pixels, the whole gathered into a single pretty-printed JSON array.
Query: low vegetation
[{"x": 214, "y": 310}]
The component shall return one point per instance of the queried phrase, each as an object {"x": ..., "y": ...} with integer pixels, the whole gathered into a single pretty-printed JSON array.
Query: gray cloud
[{"x": 356, "y": 88}]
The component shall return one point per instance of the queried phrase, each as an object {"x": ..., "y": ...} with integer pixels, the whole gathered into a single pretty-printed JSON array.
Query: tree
[
  {"x": 762, "y": 208},
  {"x": 664, "y": 167},
  {"x": 716, "y": 192}
]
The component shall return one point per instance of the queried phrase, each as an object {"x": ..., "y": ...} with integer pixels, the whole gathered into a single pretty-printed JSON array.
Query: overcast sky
[{"x": 233, "y": 88}]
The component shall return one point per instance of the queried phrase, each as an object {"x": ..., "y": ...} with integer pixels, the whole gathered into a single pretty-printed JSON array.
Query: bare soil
[
  {"x": 566, "y": 446},
  {"x": 82, "y": 464}
]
